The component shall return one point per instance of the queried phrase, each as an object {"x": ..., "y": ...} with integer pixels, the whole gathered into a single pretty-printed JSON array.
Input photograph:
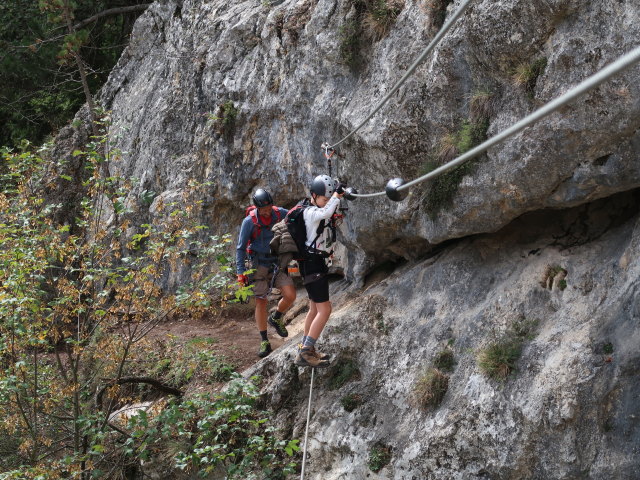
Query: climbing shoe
[
  {"x": 265, "y": 349},
  {"x": 307, "y": 358},
  {"x": 278, "y": 324},
  {"x": 319, "y": 355}
]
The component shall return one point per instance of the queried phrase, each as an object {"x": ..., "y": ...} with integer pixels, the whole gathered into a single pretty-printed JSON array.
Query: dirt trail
[{"x": 234, "y": 330}]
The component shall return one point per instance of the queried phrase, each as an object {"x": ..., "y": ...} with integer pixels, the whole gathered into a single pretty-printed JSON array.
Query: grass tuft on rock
[
  {"x": 498, "y": 359},
  {"x": 430, "y": 389}
]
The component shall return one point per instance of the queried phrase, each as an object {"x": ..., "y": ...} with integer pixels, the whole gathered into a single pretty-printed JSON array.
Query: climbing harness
[
  {"x": 306, "y": 429},
  {"x": 397, "y": 185}
]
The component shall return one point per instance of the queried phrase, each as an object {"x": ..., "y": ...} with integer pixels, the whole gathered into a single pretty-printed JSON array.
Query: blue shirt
[{"x": 259, "y": 246}]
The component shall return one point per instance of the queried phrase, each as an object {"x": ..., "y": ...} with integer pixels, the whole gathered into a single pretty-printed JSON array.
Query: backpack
[
  {"x": 290, "y": 234},
  {"x": 252, "y": 212}
]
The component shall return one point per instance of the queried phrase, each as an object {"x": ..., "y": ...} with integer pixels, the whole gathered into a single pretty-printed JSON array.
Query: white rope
[
  {"x": 590, "y": 83},
  {"x": 411, "y": 69},
  {"x": 306, "y": 430}
]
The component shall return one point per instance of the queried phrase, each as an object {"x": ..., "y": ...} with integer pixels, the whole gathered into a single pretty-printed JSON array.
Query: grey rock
[{"x": 569, "y": 410}]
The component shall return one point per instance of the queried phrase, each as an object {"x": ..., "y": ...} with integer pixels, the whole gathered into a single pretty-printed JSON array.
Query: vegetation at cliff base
[{"x": 83, "y": 281}]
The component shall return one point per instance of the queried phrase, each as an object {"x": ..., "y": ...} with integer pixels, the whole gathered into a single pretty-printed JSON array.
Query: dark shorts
[{"x": 314, "y": 275}]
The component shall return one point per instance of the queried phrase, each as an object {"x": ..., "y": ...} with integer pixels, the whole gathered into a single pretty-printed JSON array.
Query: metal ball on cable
[{"x": 392, "y": 190}]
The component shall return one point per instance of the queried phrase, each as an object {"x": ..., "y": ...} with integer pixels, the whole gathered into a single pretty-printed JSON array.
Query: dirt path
[{"x": 234, "y": 330}]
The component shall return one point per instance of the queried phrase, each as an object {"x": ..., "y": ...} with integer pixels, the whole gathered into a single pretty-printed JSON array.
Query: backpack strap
[{"x": 257, "y": 223}]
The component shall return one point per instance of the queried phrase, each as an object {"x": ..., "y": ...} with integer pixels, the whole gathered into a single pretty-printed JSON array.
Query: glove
[
  {"x": 340, "y": 189},
  {"x": 243, "y": 280}
]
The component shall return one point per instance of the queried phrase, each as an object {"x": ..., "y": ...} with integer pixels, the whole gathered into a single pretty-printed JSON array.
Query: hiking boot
[
  {"x": 278, "y": 324},
  {"x": 319, "y": 355},
  {"x": 307, "y": 358},
  {"x": 265, "y": 349}
]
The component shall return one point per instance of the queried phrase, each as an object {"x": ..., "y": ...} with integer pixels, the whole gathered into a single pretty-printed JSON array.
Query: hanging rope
[
  {"x": 590, "y": 83},
  {"x": 306, "y": 430},
  {"x": 445, "y": 28}
]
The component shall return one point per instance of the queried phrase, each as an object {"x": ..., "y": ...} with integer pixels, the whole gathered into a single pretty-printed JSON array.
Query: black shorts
[{"x": 314, "y": 275}]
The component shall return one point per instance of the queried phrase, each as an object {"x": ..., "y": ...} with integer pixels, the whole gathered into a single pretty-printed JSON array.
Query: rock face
[
  {"x": 242, "y": 94},
  {"x": 569, "y": 409}
]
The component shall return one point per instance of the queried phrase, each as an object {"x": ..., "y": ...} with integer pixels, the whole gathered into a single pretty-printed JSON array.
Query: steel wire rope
[
  {"x": 306, "y": 429},
  {"x": 591, "y": 82},
  {"x": 445, "y": 28}
]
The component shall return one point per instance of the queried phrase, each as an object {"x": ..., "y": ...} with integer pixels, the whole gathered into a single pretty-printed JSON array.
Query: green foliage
[
  {"x": 441, "y": 191},
  {"x": 498, "y": 359},
  {"x": 379, "y": 457},
  {"x": 607, "y": 348},
  {"x": 351, "y": 402},
  {"x": 349, "y": 43},
  {"x": 343, "y": 372},
  {"x": 178, "y": 363},
  {"x": 229, "y": 114},
  {"x": 209, "y": 431},
  {"x": 78, "y": 297},
  {"x": 430, "y": 388},
  {"x": 39, "y": 87},
  {"x": 445, "y": 360}
]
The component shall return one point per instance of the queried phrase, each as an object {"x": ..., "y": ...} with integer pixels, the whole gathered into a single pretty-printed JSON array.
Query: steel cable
[
  {"x": 410, "y": 71},
  {"x": 590, "y": 83}
]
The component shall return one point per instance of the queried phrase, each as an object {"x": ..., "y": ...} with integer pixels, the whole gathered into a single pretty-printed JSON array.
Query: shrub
[
  {"x": 379, "y": 457},
  {"x": 443, "y": 188},
  {"x": 430, "y": 389},
  {"x": 79, "y": 294},
  {"x": 211, "y": 431},
  {"x": 177, "y": 363},
  {"x": 481, "y": 105}
]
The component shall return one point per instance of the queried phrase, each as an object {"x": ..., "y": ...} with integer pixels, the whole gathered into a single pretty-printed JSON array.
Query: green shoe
[
  {"x": 265, "y": 349},
  {"x": 278, "y": 324}
]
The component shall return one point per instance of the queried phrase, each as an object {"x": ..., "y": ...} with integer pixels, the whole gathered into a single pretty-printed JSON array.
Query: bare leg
[
  {"x": 288, "y": 297},
  {"x": 323, "y": 310},
  {"x": 261, "y": 314},
  {"x": 311, "y": 314}
]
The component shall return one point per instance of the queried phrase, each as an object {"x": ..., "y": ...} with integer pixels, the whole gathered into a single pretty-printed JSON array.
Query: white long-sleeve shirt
[{"x": 313, "y": 216}]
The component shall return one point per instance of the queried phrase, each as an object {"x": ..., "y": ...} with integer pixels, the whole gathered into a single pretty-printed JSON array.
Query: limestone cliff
[{"x": 244, "y": 93}]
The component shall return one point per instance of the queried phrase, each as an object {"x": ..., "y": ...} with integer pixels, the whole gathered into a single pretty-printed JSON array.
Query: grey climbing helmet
[
  {"x": 323, "y": 185},
  {"x": 261, "y": 198}
]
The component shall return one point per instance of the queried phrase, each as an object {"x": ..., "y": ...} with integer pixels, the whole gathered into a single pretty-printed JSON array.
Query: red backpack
[{"x": 252, "y": 212}]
